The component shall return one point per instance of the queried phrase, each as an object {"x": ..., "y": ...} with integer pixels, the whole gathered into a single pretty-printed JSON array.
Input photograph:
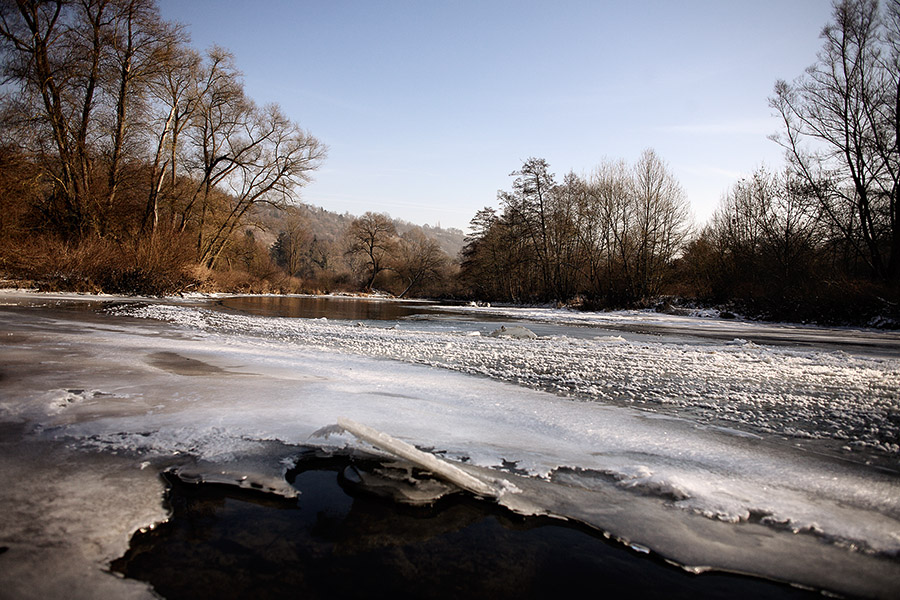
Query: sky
[{"x": 427, "y": 107}]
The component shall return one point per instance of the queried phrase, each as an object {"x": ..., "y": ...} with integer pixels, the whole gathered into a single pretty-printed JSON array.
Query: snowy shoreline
[{"x": 214, "y": 387}]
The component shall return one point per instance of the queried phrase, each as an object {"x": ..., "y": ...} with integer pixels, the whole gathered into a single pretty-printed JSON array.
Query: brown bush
[{"x": 143, "y": 267}]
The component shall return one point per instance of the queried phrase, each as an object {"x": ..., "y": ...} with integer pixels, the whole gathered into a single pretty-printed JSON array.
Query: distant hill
[
  {"x": 329, "y": 226},
  {"x": 451, "y": 240}
]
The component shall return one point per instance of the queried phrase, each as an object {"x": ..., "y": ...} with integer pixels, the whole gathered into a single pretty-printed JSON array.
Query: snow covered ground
[{"x": 663, "y": 433}]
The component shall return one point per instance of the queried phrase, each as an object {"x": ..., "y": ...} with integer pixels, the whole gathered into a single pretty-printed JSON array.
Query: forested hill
[
  {"x": 329, "y": 226},
  {"x": 450, "y": 240}
]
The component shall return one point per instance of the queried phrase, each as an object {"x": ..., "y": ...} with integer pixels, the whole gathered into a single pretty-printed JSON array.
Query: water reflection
[
  {"x": 330, "y": 307},
  {"x": 329, "y": 544}
]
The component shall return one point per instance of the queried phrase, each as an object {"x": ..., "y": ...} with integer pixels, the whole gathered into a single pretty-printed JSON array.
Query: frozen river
[
  {"x": 836, "y": 386},
  {"x": 760, "y": 449}
]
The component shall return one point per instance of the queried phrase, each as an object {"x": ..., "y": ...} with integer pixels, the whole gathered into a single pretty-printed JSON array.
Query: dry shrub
[
  {"x": 203, "y": 278},
  {"x": 237, "y": 281},
  {"x": 329, "y": 282},
  {"x": 139, "y": 266},
  {"x": 155, "y": 267},
  {"x": 290, "y": 285}
]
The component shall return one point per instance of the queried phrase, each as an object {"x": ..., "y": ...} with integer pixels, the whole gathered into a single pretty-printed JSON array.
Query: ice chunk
[{"x": 429, "y": 462}]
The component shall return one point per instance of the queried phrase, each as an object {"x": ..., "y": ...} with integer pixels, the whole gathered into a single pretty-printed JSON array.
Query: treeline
[
  {"x": 821, "y": 239},
  {"x": 771, "y": 248},
  {"x": 818, "y": 240},
  {"x": 128, "y": 160},
  {"x": 609, "y": 239},
  {"x": 622, "y": 237}
]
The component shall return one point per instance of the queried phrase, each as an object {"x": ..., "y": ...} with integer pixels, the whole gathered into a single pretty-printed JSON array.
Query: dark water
[
  {"x": 703, "y": 331},
  {"x": 223, "y": 543},
  {"x": 361, "y": 309},
  {"x": 428, "y": 315}
]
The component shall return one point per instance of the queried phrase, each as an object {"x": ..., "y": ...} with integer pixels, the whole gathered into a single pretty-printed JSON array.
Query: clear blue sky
[{"x": 427, "y": 106}]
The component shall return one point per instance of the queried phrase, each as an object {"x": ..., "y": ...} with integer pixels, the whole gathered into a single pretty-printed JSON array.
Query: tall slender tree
[{"x": 841, "y": 130}]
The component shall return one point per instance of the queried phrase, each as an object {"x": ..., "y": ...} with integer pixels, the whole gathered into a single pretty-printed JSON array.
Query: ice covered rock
[{"x": 515, "y": 331}]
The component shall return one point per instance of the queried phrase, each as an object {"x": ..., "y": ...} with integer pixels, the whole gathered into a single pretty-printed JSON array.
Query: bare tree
[
  {"x": 763, "y": 247},
  {"x": 373, "y": 238},
  {"x": 240, "y": 155},
  {"x": 632, "y": 221},
  {"x": 123, "y": 121},
  {"x": 527, "y": 209},
  {"x": 419, "y": 259},
  {"x": 612, "y": 237},
  {"x": 268, "y": 163},
  {"x": 140, "y": 44},
  {"x": 485, "y": 257},
  {"x": 81, "y": 70},
  {"x": 173, "y": 93},
  {"x": 292, "y": 247},
  {"x": 842, "y": 129},
  {"x": 53, "y": 52},
  {"x": 659, "y": 226},
  {"x": 605, "y": 216}
]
